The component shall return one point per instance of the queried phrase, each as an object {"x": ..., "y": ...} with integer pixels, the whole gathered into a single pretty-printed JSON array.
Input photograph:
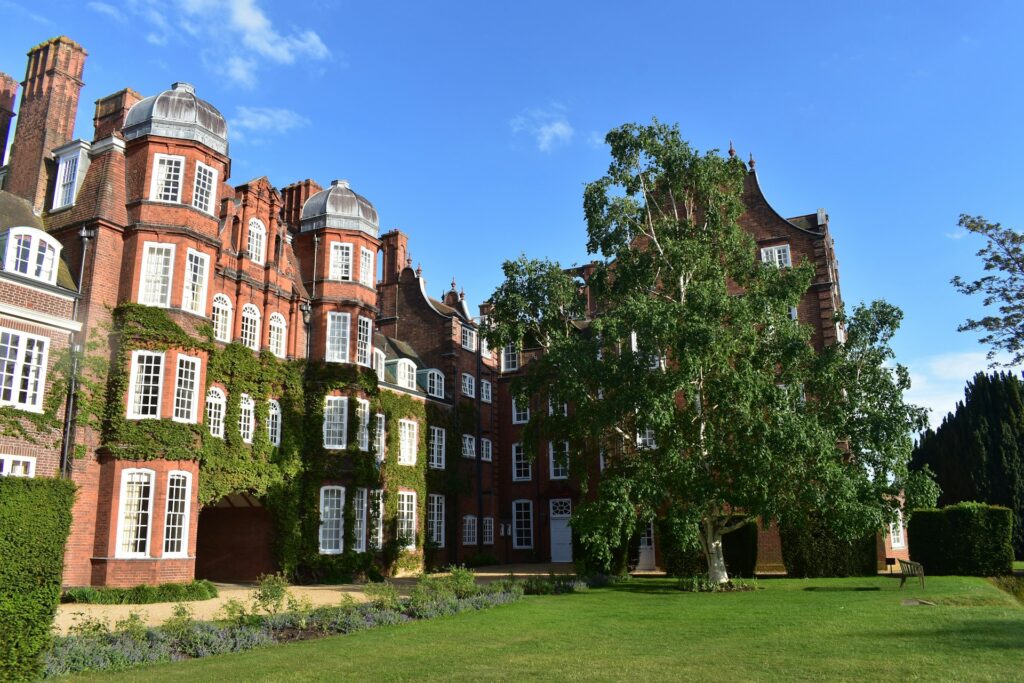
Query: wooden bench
[{"x": 909, "y": 570}]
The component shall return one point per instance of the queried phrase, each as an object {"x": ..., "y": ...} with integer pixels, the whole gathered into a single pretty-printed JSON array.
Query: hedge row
[
  {"x": 811, "y": 550},
  {"x": 969, "y": 539},
  {"x": 200, "y": 589},
  {"x": 35, "y": 519}
]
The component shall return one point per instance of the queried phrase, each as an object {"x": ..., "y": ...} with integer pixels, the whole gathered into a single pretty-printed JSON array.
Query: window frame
[
  {"x": 119, "y": 552},
  {"x": 436, "y": 448},
  {"x": 338, "y": 263},
  {"x": 22, "y": 371},
  {"x": 380, "y": 442},
  {"x": 360, "y": 519},
  {"x": 246, "y": 404},
  {"x": 469, "y": 338},
  {"x": 259, "y": 259},
  {"x": 133, "y": 387},
  {"x": 215, "y": 396},
  {"x": 342, "y": 350},
  {"x": 367, "y": 275},
  {"x": 408, "y": 447},
  {"x": 156, "y": 179},
  {"x": 363, "y": 424},
  {"x": 144, "y": 274},
  {"x": 400, "y": 522},
  {"x": 770, "y": 255},
  {"x": 7, "y": 465},
  {"x": 487, "y": 530},
  {"x": 198, "y": 301},
  {"x": 436, "y": 519},
  {"x": 435, "y": 383},
  {"x": 211, "y": 200},
  {"x": 341, "y": 425},
  {"x": 274, "y": 422},
  {"x": 193, "y": 411},
  {"x": 405, "y": 374},
  {"x": 468, "y": 385},
  {"x": 219, "y": 301},
  {"x": 254, "y": 343},
  {"x": 186, "y": 515},
  {"x": 898, "y": 532},
  {"x": 516, "y": 413},
  {"x": 521, "y": 462},
  {"x": 486, "y": 449},
  {"x": 551, "y": 462},
  {"x": 468, "y": 440},
  {"x": 277, "y": 322},
  {"x": 510, "y": 358},
  {"x": 516, "y": 545},
  {"x": 469, "y": 530},
  {"x": 486, "y": 391},
  {"x": 364, "y": 348},
  {"x": 322, "y": 549},
  {"x": 37, "y": 240},
  {"x": 62, "y": 186}
]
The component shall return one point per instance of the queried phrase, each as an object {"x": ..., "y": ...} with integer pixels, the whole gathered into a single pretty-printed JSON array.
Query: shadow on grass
[
  {"x": 986, "y": 634},
  {"x": 841, "y": 589}
]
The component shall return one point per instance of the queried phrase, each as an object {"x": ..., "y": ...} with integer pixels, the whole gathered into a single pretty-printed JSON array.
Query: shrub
[
  {"x": 462, "y": 581},
  {"x": 970, "y": 539},
  {"x": 32, "y": 552},
  {"x": 383, "y": 595},
  {"x": 554, "y": 584},
  {"x": 481, "y": 559},
  {"x": 270, "y": 594},
  {"x": 200, "y": 589},
  {"x": 811, "y": 550},
  {"x": 701, "y": 584}
]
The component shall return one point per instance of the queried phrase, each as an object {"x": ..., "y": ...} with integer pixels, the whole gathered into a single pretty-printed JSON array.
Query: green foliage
[
  {"x": 270, "y": 594},
  {"x": 744, "y": 414},
  {"x": 977, "y": 453},
  {"x": 383, "y": 595},
  {"x": 200, "y": 589},
  {"x": 812, "y": 549},
  {"x": 35, "y": 519},
  {"x": 1002, "y": 284},
  {"x": 969, "y": 539}
]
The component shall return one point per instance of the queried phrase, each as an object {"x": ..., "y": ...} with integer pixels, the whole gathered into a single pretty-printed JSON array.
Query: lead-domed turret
[
  {"x": 178, "y": 113},
  {"x": 339, "y": 207}
]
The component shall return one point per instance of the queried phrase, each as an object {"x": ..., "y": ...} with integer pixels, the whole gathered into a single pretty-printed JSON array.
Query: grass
[
  {"x": 834, "y": 629},
  {"x": 1018, "y": 566}
]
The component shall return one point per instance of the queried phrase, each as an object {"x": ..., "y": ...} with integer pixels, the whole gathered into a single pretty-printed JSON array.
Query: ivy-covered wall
[{"x": 288, "y": 477}]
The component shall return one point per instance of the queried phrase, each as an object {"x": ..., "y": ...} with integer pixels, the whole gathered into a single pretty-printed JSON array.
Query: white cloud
[
  {"x": 938, "y": 381},
  {"x": 267, "y": 119},
  {"x": 595, "y": 139},
  {"x": 108, "y": 10},
  {"x": 549, "y": 127},
  {"x": 957, "y": 235},
  {"x": 18, "y": 9},
  {"x": 236, "y": 36}
]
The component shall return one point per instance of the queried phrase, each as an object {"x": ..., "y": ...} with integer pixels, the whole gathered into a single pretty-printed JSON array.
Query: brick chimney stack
[
  {"x": 395, "y": 245},
  {"x": 46, "y": 116},
  {"x": 111, "y": 111},
  {"x": 8, "y": 93},
  {"x": 293, "y": 197}
]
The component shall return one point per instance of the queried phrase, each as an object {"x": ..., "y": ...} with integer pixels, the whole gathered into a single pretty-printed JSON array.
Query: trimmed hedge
[
  {"x": 810, "y": 550},
  {"x": 200, "y": 589},
  {"x": 35, "y": 519},
  {"x": 968, "y": 539}
]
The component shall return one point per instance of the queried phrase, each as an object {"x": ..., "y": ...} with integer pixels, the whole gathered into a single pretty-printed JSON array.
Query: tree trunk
[{"x": 712, "y": 540}]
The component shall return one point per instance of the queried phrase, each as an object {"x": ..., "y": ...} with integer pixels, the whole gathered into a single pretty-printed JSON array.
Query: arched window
[
  {"x": 257, "y": 241},
  {"x": 251, "y": 326},
  {"x": 246, "y": 418},
  {"x": 405, "y": 373},
  {"x": 215, "y": 402},
  {"x": 435, "y": 383},
  {"x": 222, "y": 318},
  {"x": 32, "y": 253},
  {"x": 274, "y": 422},
  {"x": 276, "y": 337}
]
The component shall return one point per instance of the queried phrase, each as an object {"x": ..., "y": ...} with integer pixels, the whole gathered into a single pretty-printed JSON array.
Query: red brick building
[{"x": 142, "y": 214}]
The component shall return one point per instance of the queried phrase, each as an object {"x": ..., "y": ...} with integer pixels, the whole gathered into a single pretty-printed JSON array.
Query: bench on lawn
[{"x": 909, "y": 570}]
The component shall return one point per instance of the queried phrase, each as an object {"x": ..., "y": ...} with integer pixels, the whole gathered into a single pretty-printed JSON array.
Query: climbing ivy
[{"x": 288, "y": 477}]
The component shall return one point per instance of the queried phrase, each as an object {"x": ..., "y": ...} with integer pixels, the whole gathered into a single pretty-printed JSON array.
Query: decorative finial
[
  {"x": 752, "y": 162},
  {"x": 408, "y": 262},
  {"x": 453, "y": 284},
  {"x": 419, "y": 269},
  {"x": 732, "y": 150},
  {"x": 462, "y": 294}
]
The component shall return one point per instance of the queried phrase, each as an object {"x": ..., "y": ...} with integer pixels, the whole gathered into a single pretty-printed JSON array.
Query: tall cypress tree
[{"x": 977, "y": 453}]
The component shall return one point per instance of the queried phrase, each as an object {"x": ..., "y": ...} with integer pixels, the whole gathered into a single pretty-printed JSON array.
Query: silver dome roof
[
  {"x": 339, "y": 207},
  {"x": 178, "y": 113}
]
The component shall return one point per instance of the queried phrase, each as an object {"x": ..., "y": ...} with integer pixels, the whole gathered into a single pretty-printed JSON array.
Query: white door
[
  {"x": 646, "y": 563},
  {"x": 561, "y": 532}
]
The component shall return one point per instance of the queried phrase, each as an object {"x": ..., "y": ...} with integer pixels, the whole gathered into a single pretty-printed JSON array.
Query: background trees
[
  {"x": 976, "y": 451},
  {"x": 684, "y": 371}
]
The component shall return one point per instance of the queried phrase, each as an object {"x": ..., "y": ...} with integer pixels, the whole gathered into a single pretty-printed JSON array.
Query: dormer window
[
  {"x": 72, "y": 163},
  {"x": 435, "y": 383},
  {"x": 32, "y": 253},
  {"x": 468, "y": 338},
  {"x": 257, "y": 245},
  {"x": 167, "y": 175},
  {"x": 405, "y": 374}
]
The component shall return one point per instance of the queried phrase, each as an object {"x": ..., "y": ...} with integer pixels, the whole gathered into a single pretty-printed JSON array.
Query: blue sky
[{"x": 474, "y": 126}]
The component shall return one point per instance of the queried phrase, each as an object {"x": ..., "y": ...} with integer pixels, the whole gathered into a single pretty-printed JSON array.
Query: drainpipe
[
  {"x": 479, "y": 447},
  {"x": 85, "y": 234},
  {"x": 312, "y": 297}
]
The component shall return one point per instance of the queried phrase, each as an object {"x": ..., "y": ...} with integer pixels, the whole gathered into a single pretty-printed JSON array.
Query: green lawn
[{"x": 849, "y": 629}]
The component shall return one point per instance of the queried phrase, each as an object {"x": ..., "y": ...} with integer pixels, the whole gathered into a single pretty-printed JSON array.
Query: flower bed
[{"x": 93, "y": 646}]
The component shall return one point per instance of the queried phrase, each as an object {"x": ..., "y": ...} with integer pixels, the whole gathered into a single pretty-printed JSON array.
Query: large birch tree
[{"x": 683, "y": 371}]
